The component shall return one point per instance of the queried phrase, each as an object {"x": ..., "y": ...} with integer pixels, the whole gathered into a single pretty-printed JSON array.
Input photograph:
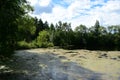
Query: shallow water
[{"x": 48, "y": 66}]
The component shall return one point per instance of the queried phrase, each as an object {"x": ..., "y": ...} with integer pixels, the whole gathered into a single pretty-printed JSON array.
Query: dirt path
[{"x": 58, "y": 64}]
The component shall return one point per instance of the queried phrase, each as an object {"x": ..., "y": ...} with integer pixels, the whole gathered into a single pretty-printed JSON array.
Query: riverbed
[{"x": 60, "y": 64}]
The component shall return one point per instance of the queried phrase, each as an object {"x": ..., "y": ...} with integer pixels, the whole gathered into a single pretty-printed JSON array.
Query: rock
[
  {"x": 114, "y": 58},
  {"x": 119, "y": 57},
  {"x": 100, "y": 57},
  {"x": 62, "y": 57},
  {"x": 103, "y": 55},
  {"x": 82, "y": 57}
]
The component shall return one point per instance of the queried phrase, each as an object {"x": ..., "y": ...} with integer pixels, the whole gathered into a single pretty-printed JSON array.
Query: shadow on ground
[{"x": 27, "y": 65}]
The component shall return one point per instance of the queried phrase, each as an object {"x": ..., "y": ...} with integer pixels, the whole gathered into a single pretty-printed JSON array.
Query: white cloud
[
  {"x": 33, "y": 2},
  {"x": 85, "y": 20},
  {"x": 112, "y": 6},
  {"x": 108, "y": 13},
  {"x": 80, "y": 12},
  {"x": 58, "y": 13}
]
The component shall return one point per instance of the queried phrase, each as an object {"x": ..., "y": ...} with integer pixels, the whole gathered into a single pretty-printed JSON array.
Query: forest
[
  {"x": 19, "y": 30},
  {"x": 96, "y": 37}
]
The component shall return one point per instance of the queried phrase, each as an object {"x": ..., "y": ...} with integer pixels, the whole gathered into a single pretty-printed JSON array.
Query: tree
[
  {"x": 10, "y": 13},
  {"x": 97, "y": 28},
  {"x": 81, "y": 29},
  {"x": 114, "y": 36},
  {"x": 45, "y": 25},
  {"x": 39, "y": 26},
  {"x": 51, "y": 31},
  {"x": 58, "y": 26},
  {"x": 26, "y": 28},
  {"x": 81, "y": 34},
  {"x": 52, "y": 28},
  {"x": 95, "y": 35},
  {"x": 43, "y": 40},
  {"x": 63, "y": 35}
]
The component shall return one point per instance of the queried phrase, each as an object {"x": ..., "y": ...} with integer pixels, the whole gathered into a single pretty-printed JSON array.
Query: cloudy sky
[{"x": 78, "y": 12}]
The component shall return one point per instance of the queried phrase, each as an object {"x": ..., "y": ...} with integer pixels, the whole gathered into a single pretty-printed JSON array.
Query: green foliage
[
  {"x": 43, "y": 40},
  {"x": 62, "y": 34},
  {"x": 81, "y": 29},
  {"x": 96, "y": 37},
  {"x": 81, "y": 36},
  {"x": 26, "y": 45},
  {"x": 18, "y": 28},
  {"x": 26, "y": 28},
  {"x": 10, "y": 12}
]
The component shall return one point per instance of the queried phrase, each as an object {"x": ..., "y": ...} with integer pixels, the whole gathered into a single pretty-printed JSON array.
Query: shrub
[
  {"x": 43, "y": 40},
  {"x": 26, "y": 45}
]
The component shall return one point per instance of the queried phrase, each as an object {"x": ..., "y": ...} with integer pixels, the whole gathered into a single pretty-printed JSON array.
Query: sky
[{"x": 78, "y": 12}]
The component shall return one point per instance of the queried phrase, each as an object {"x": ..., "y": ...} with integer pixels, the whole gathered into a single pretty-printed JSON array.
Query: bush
[
  {"x": 26, "y": 45},
  {"x": 43, "y": 40},
  {"x": 50, "y": 45}
]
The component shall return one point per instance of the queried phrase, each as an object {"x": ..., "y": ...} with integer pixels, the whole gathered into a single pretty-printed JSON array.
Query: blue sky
[{"x": 78, "y": 12}]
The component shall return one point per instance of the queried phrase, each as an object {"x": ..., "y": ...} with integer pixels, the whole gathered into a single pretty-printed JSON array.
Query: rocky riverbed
[{"x": 59, "y": 64}]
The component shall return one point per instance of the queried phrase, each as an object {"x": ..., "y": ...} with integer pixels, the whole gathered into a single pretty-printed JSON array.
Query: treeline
[{"x": 61, "y": 34}]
